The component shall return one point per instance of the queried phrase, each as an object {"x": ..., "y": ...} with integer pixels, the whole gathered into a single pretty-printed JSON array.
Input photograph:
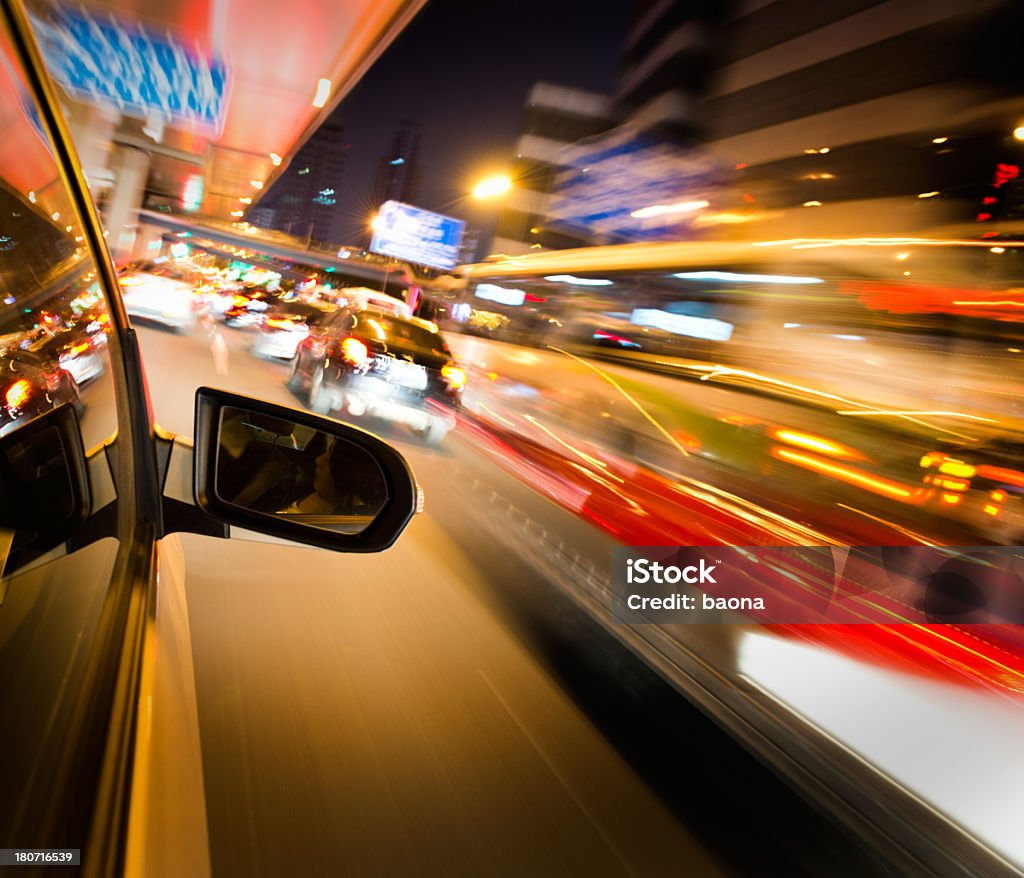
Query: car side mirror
[
  {"x": 298, "y": 476},
  {"x": 44, "y": 485}
]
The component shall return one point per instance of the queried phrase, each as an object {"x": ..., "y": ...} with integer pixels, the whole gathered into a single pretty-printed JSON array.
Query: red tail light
[
  {"x": 454, "y": 375},
  {"x": 17, "y": 394},
  {"x": 353, "y": 351}
]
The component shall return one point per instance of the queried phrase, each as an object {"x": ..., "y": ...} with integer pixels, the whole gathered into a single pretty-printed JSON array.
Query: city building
[
  {"x": 303, "y": 201},
  {"x": 857, "y": 118},
  {"x": 398, "y": 169},
  {"x": 667, "y": 58},
  {"x": 886, "y": 118},
  {"x": 555, "y": 117}
]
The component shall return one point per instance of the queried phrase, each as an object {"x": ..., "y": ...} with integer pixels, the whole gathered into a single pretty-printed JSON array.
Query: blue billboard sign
[
  {"x": 105, "y": 61},
  {"x": 630, "y": 185},
  {"x": 417, "y": 235}
]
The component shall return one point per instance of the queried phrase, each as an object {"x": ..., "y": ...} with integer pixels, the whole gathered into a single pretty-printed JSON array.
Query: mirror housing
[
  {"x": 44, "y": 483},
  {"x": 392, "y": 512}
]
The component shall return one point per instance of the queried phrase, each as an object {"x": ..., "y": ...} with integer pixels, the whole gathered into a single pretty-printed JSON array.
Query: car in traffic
[
  {"x": 79, "y": 353},
  {"x": 981, "y": 485},
  {"x": 159, "y": 298},
  {"x": 364, "y": 297},
  {"x": 33, "y": 385},
  {"x": 368, "y": 363},
  {"x": 285, "y": 325},
  {"x": 248, "y": 307}
]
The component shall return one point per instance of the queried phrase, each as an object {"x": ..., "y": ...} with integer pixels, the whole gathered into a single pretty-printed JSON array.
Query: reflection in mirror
[{"x": 276, "y": 467}]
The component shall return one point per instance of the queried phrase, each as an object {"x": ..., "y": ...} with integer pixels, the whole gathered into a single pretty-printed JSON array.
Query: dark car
[
  {"x": 368, "y": 363},
  {"x": 32, "y": 385},
  {"x": 77, "y": 352},
  {"x": 248, "y": 307}
]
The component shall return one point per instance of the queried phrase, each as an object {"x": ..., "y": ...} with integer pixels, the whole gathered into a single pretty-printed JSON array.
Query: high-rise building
[
  {"x": 866, "y": 116},
  {"x": 667, "y": 58},
  {"x": 397, "y": 176},
  {"x": 303, "y": 200},
  {"x": 842, "y": 119},
  {"x": 555, "y": 117}
]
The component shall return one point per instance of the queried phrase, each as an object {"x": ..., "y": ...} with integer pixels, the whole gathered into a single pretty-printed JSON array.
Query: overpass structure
[
  {"x": 197, "y": 105},
  {"x": 228, "y": 237},
  {"x": 358, "y": 267}
]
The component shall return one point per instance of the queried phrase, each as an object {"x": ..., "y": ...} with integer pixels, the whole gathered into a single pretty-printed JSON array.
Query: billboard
[
  {"x": 144, "y": 74},
  {"x": 630, "y": 185},
  {"x": 417, "y": 235}
]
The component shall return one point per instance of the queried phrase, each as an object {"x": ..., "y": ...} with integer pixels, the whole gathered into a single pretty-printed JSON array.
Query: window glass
[{"x": 56, "y": 507}]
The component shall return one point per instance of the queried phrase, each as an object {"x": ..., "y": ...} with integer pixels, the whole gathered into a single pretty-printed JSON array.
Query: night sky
[{"x": 462, "y": 69}]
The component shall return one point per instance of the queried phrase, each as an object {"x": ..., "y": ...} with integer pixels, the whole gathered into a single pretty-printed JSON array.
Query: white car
[
  {"x": 375, "y": 300},
  {"x": 163, "y": 300}
]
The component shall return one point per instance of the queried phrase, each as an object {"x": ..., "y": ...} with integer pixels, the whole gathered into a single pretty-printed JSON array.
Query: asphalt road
[{"x": 440, "y": 708}]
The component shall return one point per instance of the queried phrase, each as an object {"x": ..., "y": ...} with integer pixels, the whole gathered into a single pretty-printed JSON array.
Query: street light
[{"x": 492, "y": 187}]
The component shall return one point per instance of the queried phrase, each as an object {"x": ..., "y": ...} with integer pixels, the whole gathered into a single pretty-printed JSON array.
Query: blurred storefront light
[
  {"x": 502, "y": 295},
  {"x": 663, "y": 209},
  {"x": 579, "y": 281},
  {"x": 734, "y": 277}
]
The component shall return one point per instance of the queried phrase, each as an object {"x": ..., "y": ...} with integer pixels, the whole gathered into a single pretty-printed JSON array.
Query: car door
[
  {"x": 77, "y": 520},
  {"x": 96, "y": 770}
]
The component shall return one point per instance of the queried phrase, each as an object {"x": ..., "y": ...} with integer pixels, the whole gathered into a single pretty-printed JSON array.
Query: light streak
[
  {"x": 876, "y": 485},
  {"x": 635, "y": 403}
]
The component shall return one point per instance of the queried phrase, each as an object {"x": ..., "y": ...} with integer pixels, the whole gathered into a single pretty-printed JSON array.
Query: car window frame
[{"x": 87, "y": 793}]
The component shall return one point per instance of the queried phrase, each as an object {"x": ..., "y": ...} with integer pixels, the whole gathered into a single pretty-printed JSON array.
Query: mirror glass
[{"x": 276, "y": 467}]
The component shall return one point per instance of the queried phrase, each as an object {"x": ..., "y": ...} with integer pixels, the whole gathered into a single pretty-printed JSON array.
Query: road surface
[{"x": 440, "y": 708}]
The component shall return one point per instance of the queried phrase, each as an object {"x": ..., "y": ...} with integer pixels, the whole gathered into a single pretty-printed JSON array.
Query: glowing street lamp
[{"x": 492, "y": 187}]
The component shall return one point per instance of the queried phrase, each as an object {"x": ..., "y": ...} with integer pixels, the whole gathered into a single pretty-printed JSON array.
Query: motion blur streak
[
  {"x": 632, "y": 400},
  {"x": 816, "y": 443},
  {"x": 588, "y": 458},
  {"x": 845, "y": 474},
  {"x": 919, "y": 414}
]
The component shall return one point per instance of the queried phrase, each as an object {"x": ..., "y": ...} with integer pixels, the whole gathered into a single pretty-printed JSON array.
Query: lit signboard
[
  {"x": 141, "y": 73},
  {"x": 417, "y": 235}
]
